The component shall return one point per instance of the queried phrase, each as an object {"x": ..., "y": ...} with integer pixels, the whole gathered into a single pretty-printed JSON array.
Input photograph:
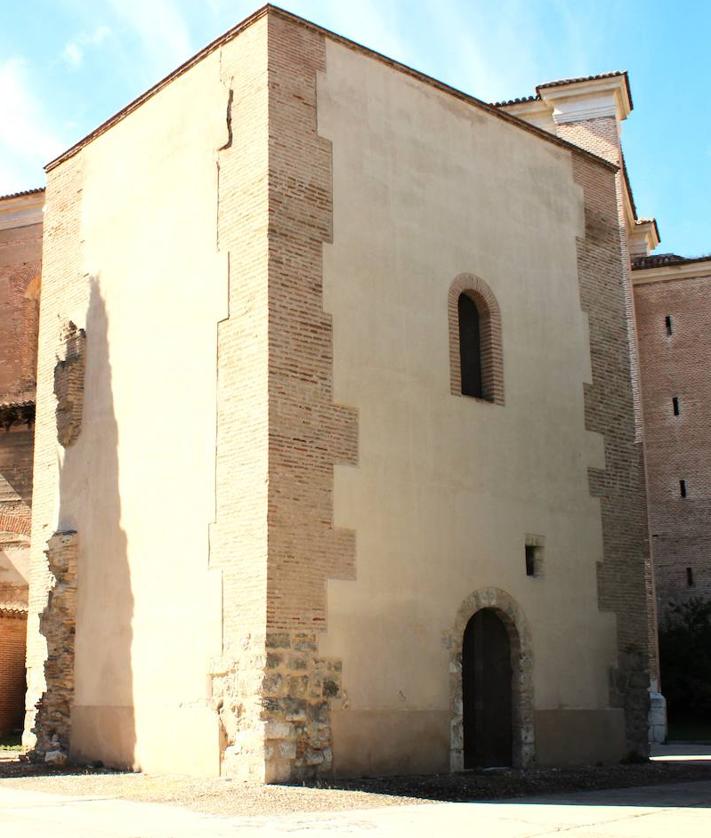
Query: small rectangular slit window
[
  {"x": 530, "y": 560},
  {"x": 682, "y": 488},
  {"x": 668, "y": 324},
  {"x": 534, "y": 555},
  {"x": 690, "y": 577},
  {"x": 675, "y": 405}
]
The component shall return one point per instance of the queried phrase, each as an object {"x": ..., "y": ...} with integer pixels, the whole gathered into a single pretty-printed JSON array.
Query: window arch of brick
[{"x": 491, "y": 351}]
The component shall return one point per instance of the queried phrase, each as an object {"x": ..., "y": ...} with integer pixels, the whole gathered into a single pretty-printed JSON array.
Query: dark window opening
[
  {"x": 675, "y": 404},
  {"x": 668, "y": 323},
  {"x": 530, "y": 560},
  {"x": 690, "y": 577},
  {"x": 470, "y": 347},
  {"x": 682, "y": 488}
]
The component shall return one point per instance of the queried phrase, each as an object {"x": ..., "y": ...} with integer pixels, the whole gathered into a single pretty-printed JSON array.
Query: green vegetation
[
  {"x": 11, "y": 742},
  {"x": 685, "y": 657}
]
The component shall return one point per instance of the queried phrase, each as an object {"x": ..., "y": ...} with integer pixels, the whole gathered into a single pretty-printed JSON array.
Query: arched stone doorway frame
[{"x": 519, "y": 633}]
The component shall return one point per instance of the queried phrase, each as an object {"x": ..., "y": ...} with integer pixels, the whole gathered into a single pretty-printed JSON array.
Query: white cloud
[
  {"x": 491, "y": 49},
  {"x": 372, "y": 23},
  {"x": 73, "y": 52},
  {"x": 161, "y": 29},
  {"x": 27, "y": 140}
]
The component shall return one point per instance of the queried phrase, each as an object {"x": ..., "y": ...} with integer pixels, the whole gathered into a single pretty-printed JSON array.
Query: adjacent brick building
[
  {"x": 673, "y": 303},
  {"x": 339, "y": 452},
  {"x": 20, "y": 268}
]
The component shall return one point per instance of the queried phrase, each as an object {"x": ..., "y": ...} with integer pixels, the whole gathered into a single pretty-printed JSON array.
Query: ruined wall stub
[
  {"x": 52, "y": 723},
  {"x": 69, "y": 384}
]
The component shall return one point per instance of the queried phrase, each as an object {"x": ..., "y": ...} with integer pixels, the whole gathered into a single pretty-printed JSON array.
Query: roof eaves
[
  {"x": 610, "y": 75},
  {"x": 662, "y": 260},
  {"x": 22, "y": 193},
  {"x": 13, "y": 609},
  {"x": 520, "y": 100}
]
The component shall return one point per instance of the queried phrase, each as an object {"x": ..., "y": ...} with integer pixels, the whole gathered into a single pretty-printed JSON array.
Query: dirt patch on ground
[{"x": 225, "y": 797}]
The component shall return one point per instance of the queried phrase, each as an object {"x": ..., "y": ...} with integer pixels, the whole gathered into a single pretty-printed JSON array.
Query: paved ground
[
  {"x": 682, "y": 810},
  {"x": 682, "y": 752},
  {"x": 34, "y": 800}
]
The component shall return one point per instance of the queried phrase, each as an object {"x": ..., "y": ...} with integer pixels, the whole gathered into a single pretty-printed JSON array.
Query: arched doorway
[
  {"x": 487, "y": 691},
  {"x": 500, "y": 610}
]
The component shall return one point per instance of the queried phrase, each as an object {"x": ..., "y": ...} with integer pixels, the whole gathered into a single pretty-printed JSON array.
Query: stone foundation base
[
  {"x": 657, "y": 718},
  {"x": 297, "y": 690}
]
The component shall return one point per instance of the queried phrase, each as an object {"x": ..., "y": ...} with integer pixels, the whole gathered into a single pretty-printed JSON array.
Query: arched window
[
  {"x": 469, "y": 346},
  {"x": 475, "y": 347}
]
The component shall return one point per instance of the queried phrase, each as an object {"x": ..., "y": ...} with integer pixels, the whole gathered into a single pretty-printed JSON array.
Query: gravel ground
[{"x": 225, "y": 797}]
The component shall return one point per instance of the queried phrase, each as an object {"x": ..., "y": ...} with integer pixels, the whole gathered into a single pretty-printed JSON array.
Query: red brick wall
[
  {"x": 677, "y": 447},
  {"x": 13, "y": 629},
  {"x": 20, "y": 264}
]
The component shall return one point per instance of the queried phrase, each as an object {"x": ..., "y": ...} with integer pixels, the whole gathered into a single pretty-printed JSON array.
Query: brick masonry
[
  {"x": 238, "y": 536},
  {"x": 13, "y": 629},
  {"x": 601, "y": 136},
  {"x": 20, "y": 269},
  {"x": 69, "y": 384},
  {"x": 52, "y": 722},
  {"x": 609, "y": 410},
  {"x": 271, "y": 687},
  {"x": 62, "y": 294},
  {"x": 677, "y": 447},
  {"x": 308, "y": 433}
]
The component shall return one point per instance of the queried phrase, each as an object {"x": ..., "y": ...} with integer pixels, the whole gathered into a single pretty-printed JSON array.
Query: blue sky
[{"x": 66, "y": 65}]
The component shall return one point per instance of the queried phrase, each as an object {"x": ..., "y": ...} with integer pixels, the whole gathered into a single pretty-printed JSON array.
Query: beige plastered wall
[
  {"x": 143, "y": 276},
  {"x": 447, "y": 488}
]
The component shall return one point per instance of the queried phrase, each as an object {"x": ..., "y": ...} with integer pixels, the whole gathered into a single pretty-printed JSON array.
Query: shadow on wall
[{"x": 93, "y": 644}]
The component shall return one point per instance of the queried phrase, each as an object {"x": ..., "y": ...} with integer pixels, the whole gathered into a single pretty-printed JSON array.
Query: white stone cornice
[
  {"x": 643, "y": 237},
  {"x": 669, "y": 273},
  {"x": 534, "y": 111},
  {"x": 21, "y": 211},
  {"x": 577, "y": 101}
]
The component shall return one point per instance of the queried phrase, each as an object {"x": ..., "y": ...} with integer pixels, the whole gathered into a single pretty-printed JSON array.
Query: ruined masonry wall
[
  {"x": 52, "y": 724},
  {"x": 61, "y": 292}
]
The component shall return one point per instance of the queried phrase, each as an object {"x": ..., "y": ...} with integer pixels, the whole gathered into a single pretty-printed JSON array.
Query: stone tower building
[
  {"x": 20, "y": 266},
  {"x": 338, "y": 425}
]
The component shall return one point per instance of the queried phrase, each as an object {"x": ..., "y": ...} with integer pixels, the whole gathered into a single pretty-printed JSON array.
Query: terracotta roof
[
  {"x": 563, "y": 82},
  {"x": 12, "y": 412},
  {"x": 13, "y": 609},
  {"x": 24, "y": 192},
  {"x": 661, "y": 260},
  {"x": 403, "y": 68},
  {"x": 517, "y": 101},
  {"x": 4, "y": 405},
  {"x": 612, "y": 75}
]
